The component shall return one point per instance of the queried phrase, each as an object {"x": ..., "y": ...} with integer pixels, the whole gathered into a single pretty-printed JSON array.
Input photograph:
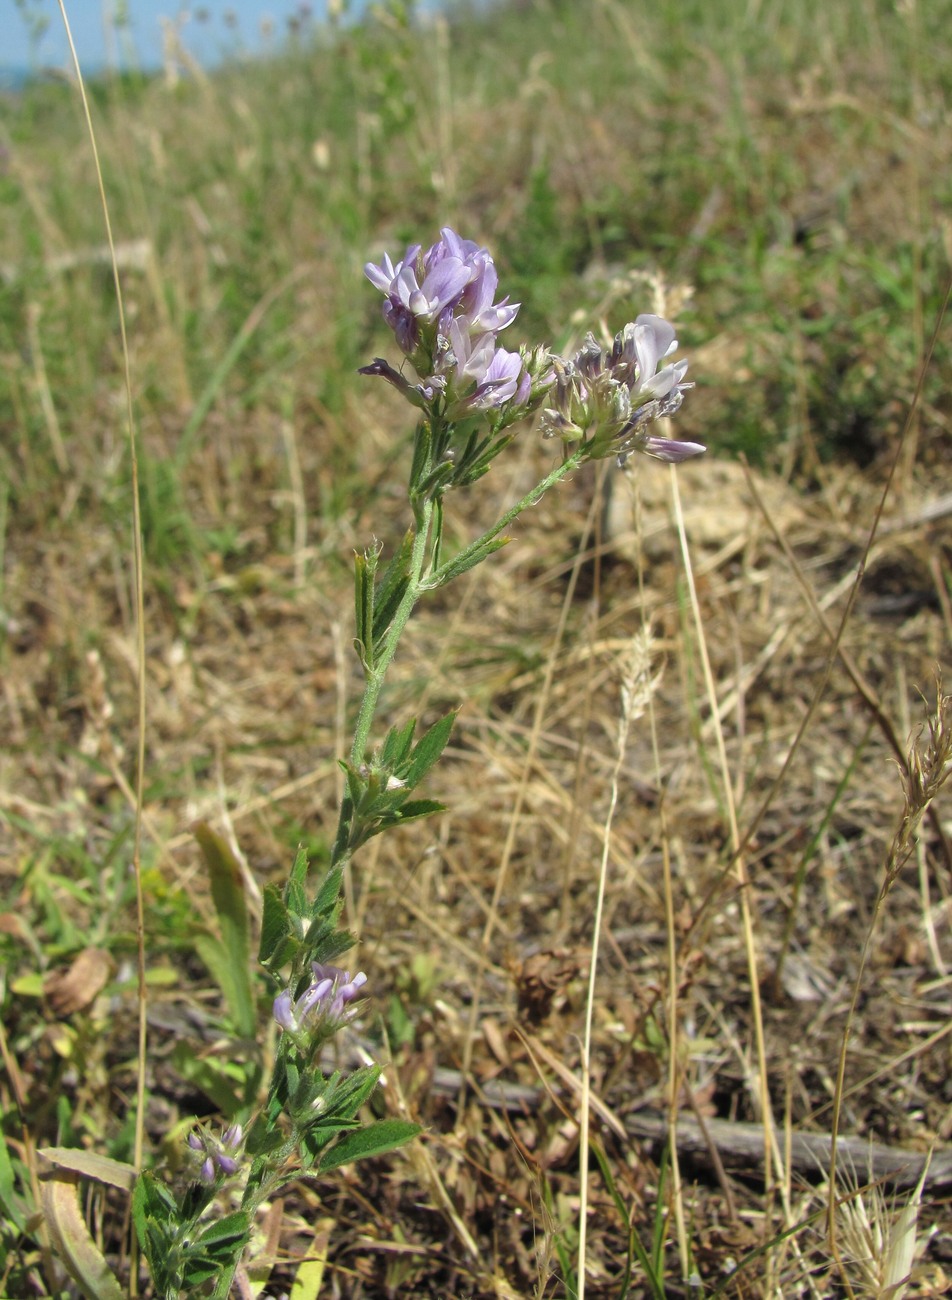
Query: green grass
[{"x": 745, "y": 152}]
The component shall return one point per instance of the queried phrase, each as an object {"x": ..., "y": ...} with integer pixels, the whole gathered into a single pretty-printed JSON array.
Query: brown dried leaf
[
  {"x": 76, "y": 989},
  {"x": 59, "y": 1198},
  {"x": 544, "y": 975}
]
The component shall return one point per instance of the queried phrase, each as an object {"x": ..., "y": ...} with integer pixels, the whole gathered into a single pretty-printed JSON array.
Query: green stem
[
  {"x": 225, "y": 1279},
  {"x": 439, "y": 576},
  {"x": 417, "y": 585},
  {"x": 375, "y": 678},
  {"x": 251, "y": 1203},
  {"x": 424, "y": 553}
]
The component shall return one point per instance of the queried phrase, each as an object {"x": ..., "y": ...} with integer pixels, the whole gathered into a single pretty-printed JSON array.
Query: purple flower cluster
[
  {"x": 439, "y": 304},
  {"x": 221, "y": 1155},
  {"x": 607, "y": 399},
  {"x": 323, "y": 1004}
]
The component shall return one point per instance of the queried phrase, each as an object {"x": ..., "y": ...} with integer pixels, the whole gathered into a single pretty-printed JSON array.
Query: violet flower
[
  {"x": 417, "y": 290},
  {"x": 475, "y": 305},
  {"x": 606, "y": 399},
  {"x": 440, "y": 307},
  {"x": 323, "y": 1006},
  {"x": 483, "y": 377},
  {"x": 222, "y": 1155}
]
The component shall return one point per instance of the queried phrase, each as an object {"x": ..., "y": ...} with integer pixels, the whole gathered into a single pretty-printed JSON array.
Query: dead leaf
[{"x": 76, "y": 989}]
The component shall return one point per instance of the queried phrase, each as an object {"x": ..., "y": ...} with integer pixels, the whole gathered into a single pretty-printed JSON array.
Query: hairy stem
[
  {"x": 441, "y": 575},
  {"x": 375, "y": 678}
]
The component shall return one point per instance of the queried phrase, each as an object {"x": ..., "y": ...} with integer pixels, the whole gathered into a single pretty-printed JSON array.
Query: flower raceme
[
  {"x": 454, "y": 279},
  {"x": 222, "y": 1156},
  {"x": 440, "y": 307},
  {"x": 439, "y": 304},
  {"x": 322, "y": 1008},
  {"x": 606, "y": 399}
]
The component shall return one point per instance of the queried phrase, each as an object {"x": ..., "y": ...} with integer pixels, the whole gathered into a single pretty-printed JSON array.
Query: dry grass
[{"x": 244, "y": 729}]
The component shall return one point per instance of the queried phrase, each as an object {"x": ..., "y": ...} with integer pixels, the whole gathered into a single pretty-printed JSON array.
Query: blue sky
[{"x": 227, "y": 27}]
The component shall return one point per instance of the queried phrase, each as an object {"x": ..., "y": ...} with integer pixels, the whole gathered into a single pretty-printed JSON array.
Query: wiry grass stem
[{"x": 139, "y": 585}]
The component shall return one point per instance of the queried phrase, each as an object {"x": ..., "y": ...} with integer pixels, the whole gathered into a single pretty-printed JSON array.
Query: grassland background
[{"x": 776, "y": 177}]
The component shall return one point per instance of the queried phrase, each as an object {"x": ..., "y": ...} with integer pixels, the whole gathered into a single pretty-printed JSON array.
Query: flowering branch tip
[{"x": 439, "y": 304}]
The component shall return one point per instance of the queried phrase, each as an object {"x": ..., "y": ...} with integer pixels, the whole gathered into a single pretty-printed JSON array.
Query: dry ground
[{"x": 250, "y": 681}]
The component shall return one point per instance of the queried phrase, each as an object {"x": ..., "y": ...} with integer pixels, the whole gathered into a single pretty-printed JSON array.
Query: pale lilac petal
[
  {"x": 283, "y": 1011},
  {"x": 505, "y": 365},
  {"x": 647, "y": 350},
  {"x": 311, "y": 998},
  {"x": 405, "y": 289},
  {"x": 671, "y": 450},
  {"x": 503, "y": 373},
  {"x": 664, "y": 381},
  {"x": 524, "y": 389},
  {"x": 451, "y": 245},
  {"x": 446, "y": 282},
  {"x": 478, "y": 360},
  {"x": 498, "y": 317},
  {"x": 479, "y": 293},
  {"x": 663, "y": 333},
  {"x": 381, "y": 277}
]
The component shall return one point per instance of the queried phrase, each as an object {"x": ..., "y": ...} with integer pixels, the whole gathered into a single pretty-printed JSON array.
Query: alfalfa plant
[{"x": 471, "y": 396}]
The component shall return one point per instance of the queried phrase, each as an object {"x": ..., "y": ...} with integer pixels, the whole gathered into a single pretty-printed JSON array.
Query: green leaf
[
  {"x": 392, "y": 588},
  {"x": 437, "y": 481},
  {"x": 476, "y": 462},
  {"x": 225, "y": 1232},
  {"x": 398, "y": 568},
  {"x": 364, "y": 569},
  {"x": 412, "y": 810},
  {"x": 10, "y": 1200},
  {"x": 259, "y": 1171},
  {"x": 383, "y": 618},
  {"x": 218, "y": 1248},
  {"x": 428, "y": 750},
  {"x": 198, "y": 1270},
  {"x": 228, "y": 895},
  {"x": 317, "y": 1140},
  {"x": 375, "y": 1140},
  {"x": 467, "y": 559},
  {"x": 329, "y": 892},
  {"x": 295, "y": 894},
  {"x": 342, "y": 841},
  {"x": 221, "y": 968},
  {"x": 330, "y": 944},
  {"x": 396, "y": 748},
  {"x": 275, "y": 926},
  {"x": 356, "y": 784},
  {"x": 343, "y": 1098},
  {"x": 151, "y": 1199},
  {"x": 422, "y": 444},
  {"x": 152, "y": 1205},
  {"x": 194, "y": 1201},
  {"x": 262, "y": 1141}
]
